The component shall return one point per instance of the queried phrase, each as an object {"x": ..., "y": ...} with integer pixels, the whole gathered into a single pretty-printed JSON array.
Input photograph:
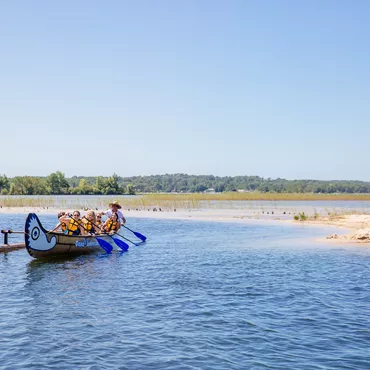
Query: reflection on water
[{"x": 196, "y": 295}]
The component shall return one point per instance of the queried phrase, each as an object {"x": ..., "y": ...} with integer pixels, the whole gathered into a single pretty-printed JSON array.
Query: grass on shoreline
[
  {"x": 235, "y": 196},
  {"x": 170, "y": 201}
]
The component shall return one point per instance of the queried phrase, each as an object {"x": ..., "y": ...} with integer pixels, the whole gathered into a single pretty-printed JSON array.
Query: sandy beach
[{"x": 356, "y": 226}]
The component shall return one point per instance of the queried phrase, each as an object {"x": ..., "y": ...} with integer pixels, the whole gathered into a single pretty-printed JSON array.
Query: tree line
[{"x": 57, "y": 184}]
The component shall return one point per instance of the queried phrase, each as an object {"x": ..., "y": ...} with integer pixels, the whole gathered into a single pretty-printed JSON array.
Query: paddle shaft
[{"x": 127, "y": 239}]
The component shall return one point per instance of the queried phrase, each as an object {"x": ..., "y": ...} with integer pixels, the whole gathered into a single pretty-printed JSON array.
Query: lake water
[{"x": 197, "y": 295}]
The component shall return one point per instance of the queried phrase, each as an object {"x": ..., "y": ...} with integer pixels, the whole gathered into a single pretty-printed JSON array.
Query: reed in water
[{"x": 170, "y": 200}]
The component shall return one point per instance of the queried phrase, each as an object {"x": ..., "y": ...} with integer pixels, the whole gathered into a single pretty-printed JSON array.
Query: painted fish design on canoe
[{"x": 36, "y": 236}]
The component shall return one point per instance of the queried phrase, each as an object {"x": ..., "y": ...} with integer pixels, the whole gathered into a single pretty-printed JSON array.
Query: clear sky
[{"x": 269, "y": 88}]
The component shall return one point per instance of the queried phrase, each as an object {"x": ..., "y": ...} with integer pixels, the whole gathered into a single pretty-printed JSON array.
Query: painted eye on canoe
[{"x": 35, "y": 233}]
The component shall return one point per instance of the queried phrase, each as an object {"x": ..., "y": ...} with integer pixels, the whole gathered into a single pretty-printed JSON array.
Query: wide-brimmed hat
[{"x": 115, "y": 203}]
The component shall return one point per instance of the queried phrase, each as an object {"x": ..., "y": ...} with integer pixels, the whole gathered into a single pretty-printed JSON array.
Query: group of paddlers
[{"x": 91, "y": 223}]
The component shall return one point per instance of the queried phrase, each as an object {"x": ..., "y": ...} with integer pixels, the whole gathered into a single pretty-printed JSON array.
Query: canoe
[{"x": 41, "y": 243}]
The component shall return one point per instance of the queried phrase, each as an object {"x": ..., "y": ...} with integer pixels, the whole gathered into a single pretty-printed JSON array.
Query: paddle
[
  {"x": 127, "y": 239},
  {"x": 140, "y": 236},
  {"x": 118, "y": 242},
  {"x": 103, "y": 244}
]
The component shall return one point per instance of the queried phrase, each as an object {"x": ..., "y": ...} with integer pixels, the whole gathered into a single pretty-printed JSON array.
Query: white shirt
[{"x": 109, "y": 213}]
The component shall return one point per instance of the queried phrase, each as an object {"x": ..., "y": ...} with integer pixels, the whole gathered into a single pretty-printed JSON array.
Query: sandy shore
[
  {"x": 220, "y": 215},
  {"x": 357, "y": 225}
]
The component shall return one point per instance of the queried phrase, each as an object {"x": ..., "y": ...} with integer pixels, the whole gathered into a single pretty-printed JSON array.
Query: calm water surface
[{"x": 197, "y": 295}]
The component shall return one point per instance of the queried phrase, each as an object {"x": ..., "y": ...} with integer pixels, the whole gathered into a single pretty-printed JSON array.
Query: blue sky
[{"x": 267, "y": 88}]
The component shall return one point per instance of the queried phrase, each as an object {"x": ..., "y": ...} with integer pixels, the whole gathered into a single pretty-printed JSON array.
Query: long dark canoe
[{"x": 41, "y": 243}]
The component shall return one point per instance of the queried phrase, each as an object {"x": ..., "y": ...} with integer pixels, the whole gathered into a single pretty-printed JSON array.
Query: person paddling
[
  {"x": 99, "y": 222},
  {"x": 112, "y": 225},
  {"x": 114, "y": 208},
  {"x": 89, "y": 224},
  {"x": 61, "y": 226},
  {"x": 74, "y": 224}
]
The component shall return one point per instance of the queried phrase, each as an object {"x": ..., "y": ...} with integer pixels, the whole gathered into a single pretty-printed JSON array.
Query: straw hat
[{"x": 115, "y": 203}]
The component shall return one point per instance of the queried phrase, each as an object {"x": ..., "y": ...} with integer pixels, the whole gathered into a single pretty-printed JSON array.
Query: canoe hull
[{"x": 41, "y": 243}]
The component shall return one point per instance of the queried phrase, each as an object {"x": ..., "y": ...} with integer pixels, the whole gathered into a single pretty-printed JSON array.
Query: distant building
[{"x": 210, "y": 190}]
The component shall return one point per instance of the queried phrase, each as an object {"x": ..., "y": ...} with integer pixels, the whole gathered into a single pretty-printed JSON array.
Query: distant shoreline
[{"x": 178, "y": 183}]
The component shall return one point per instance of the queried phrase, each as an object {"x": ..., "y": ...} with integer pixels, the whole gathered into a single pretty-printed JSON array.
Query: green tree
[
  {"x": 63, "y": 183},
  {"x": 53, "y": 183},
  {"x": 57, "y": 183},
  {"x": 130, "y": 189},
  {"x": 99, "y": 185},
  {"x": 112, "y": 186},
  {"x": 83, "y": 188},
  {"x": 12, "y": 189},
  {"x": 4, "y": 183},
  {"x": 28, "y": 185}
]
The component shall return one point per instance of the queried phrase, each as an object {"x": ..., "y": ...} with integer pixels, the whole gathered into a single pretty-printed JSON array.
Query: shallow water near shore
[{"x": 197, "y": 295}]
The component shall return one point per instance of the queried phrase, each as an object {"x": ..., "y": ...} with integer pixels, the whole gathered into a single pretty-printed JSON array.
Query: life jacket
[
  {"x": 112, "y": 225},
  {"x": 73, "y": 227},
  {"x": 98, "y": 223},
  {"x": 88, "y": 226},
  {"x": 63, "y": 226}
]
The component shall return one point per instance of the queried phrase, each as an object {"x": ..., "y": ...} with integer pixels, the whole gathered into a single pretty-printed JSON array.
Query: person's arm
[
  {"x": 82, "y": 228},
  {"x": 105, "y": 225},
  {"x": 99, "y": 227},
  {"x": 121, "y": 217},
  {"x": 65, "y": 219},
  {"x": 83, "y": 231}
]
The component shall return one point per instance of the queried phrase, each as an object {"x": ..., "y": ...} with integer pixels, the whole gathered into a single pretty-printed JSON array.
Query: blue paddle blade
[
  {"x": 105, "y": 245},
  {"x": 121, "y": 244},
  {"x": 140, "y": 236}
]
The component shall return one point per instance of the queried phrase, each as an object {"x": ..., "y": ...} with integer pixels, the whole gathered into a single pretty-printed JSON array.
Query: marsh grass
[
  {"x": 34, "y": 201},
  {"x": 234, "y": 196},
  {"x": 331, "y": 215},
  {"x": 196, "y": 201},
  {"x": 170, "y": 201}
]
